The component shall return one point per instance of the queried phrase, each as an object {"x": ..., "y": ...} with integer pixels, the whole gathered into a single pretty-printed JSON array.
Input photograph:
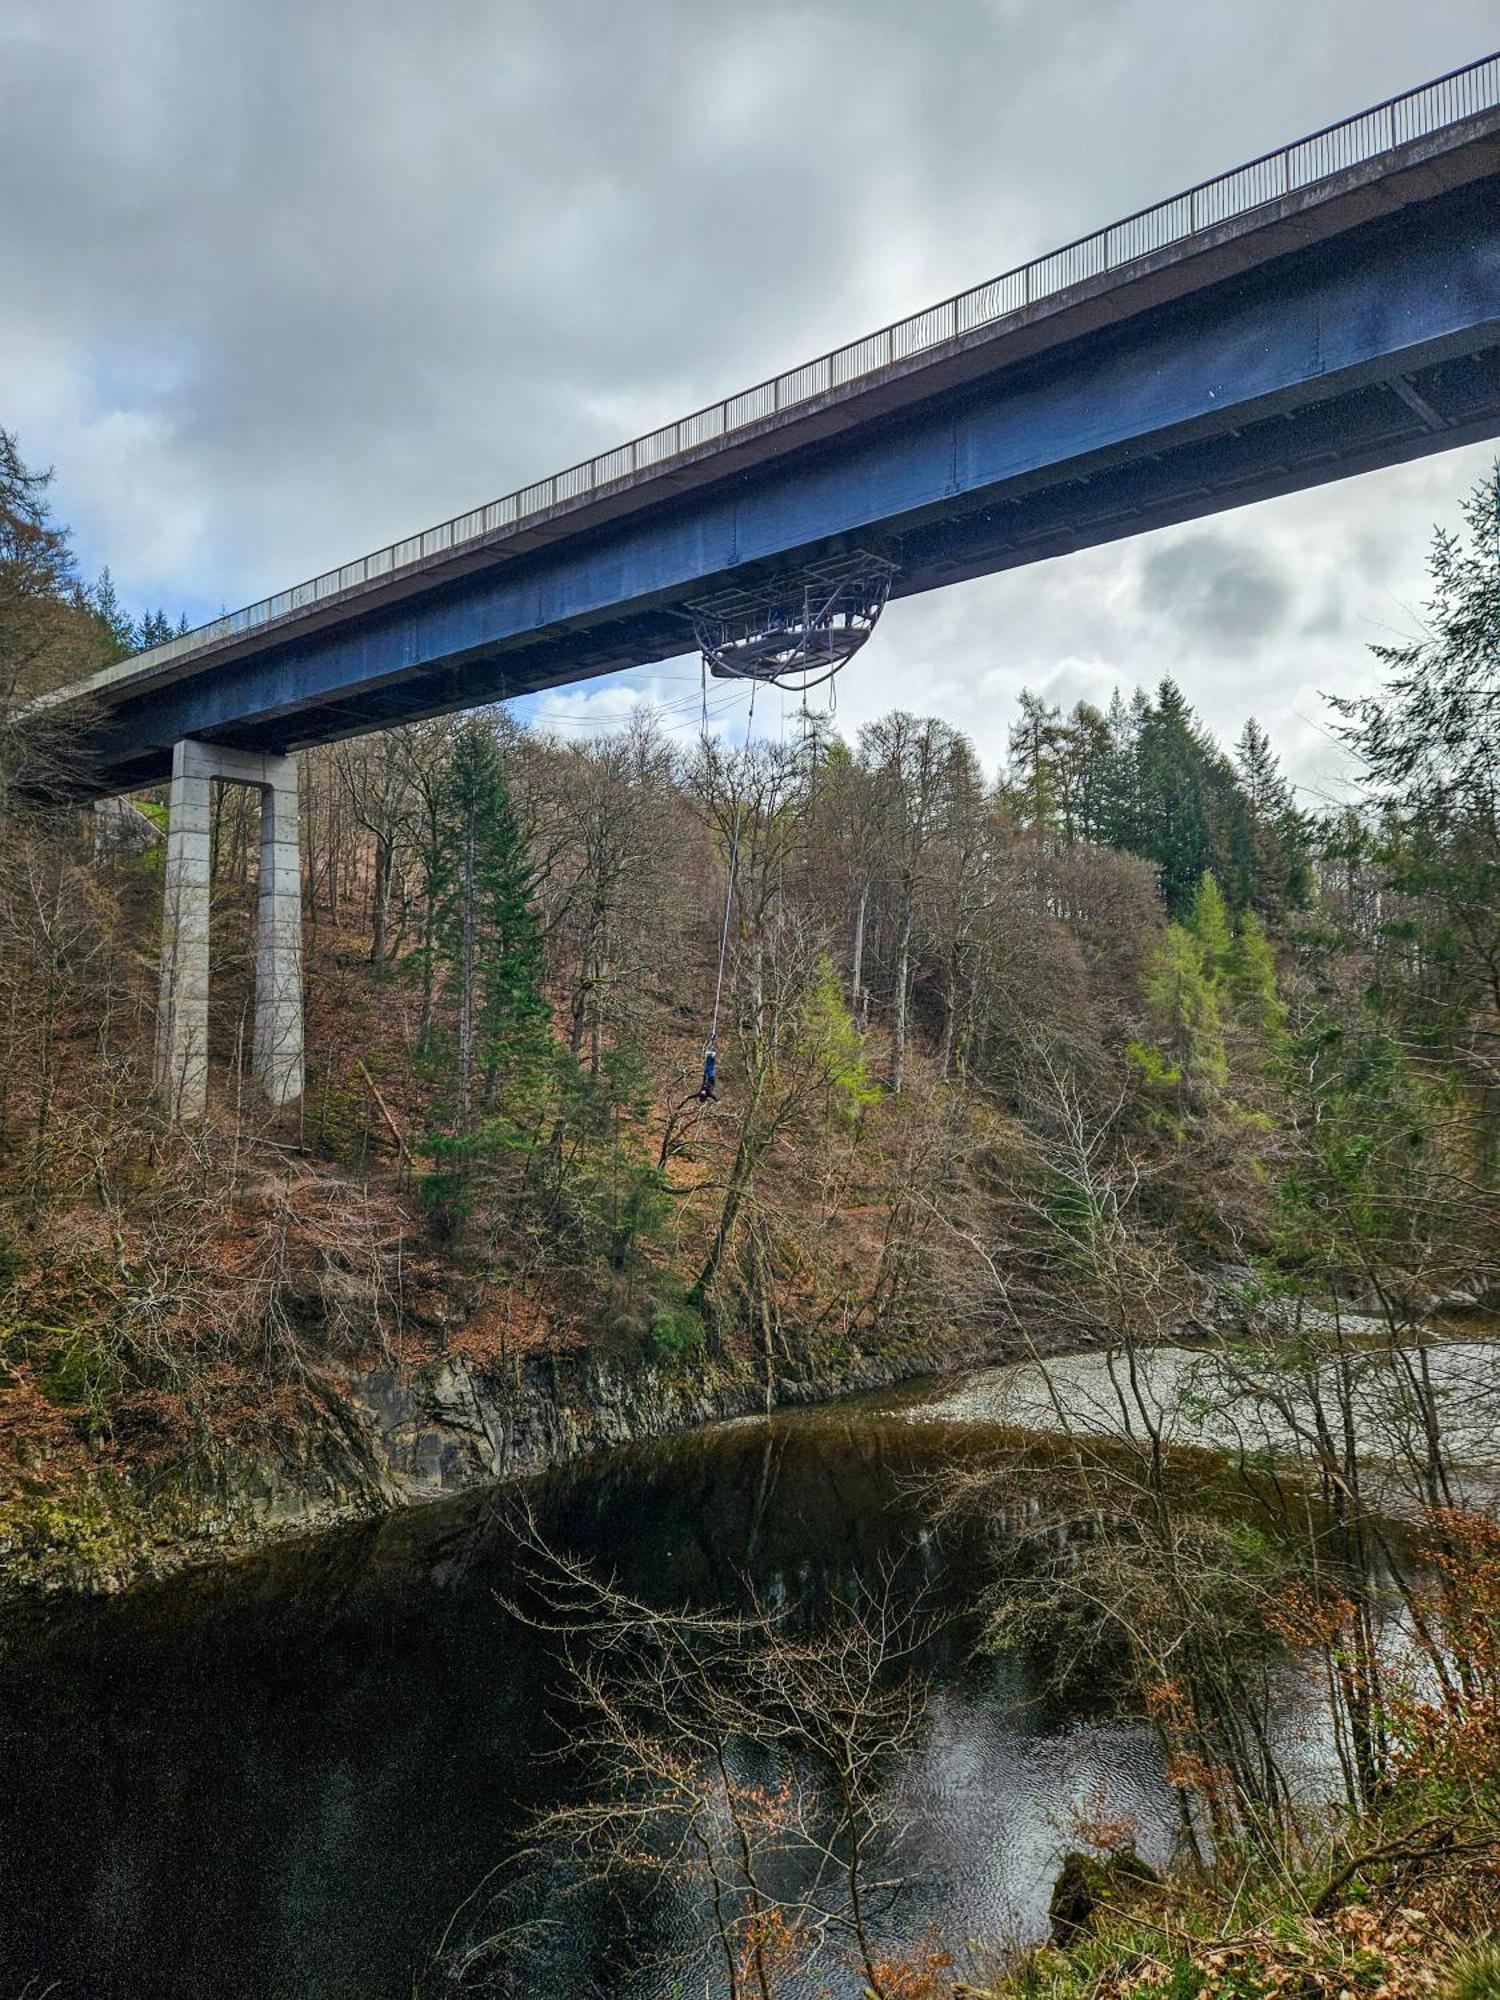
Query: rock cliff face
[
  {"x": 392, "y": 1439},
  {"x": 452, "y": 1427}
]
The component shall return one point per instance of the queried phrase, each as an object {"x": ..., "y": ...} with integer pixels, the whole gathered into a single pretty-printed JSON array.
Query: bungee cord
[
  {"x": 794, "y": 633},
  {"x": 707, "y": 1091},
  {"x": 734, "y": 862}
]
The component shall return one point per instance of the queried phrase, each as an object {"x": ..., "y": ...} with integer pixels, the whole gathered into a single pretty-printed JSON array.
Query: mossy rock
[{"x": 1090, "y": 1883}]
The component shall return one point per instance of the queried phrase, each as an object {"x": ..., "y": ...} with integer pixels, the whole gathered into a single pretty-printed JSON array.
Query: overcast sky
[{"x": 282, "y": 280}]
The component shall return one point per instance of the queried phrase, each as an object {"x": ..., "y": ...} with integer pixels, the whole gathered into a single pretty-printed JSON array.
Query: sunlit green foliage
[
  {"x": 1252, "y": 979},
  {"x": 834, "y": 1045},
  {"x": 1182, "y": 1005},
  {"x": 1212, "y": 927}
]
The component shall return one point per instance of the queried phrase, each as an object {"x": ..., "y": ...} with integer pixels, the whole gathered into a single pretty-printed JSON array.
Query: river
[{"x": 283, "y": 1776}]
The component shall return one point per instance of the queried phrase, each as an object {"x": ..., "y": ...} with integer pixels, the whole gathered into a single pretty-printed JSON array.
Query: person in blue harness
[{"x": 706, "y": 1093}]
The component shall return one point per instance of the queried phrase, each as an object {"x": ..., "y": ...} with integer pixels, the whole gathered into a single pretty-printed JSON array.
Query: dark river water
[{"x": 284, "y": 1777}]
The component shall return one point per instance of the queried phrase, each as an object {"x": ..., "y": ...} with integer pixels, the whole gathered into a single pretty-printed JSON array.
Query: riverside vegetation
[{"x": 1119, "y": 1047}]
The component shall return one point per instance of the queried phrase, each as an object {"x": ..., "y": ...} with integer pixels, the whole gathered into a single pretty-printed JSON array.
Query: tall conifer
[{"x": 486, "y": 931}]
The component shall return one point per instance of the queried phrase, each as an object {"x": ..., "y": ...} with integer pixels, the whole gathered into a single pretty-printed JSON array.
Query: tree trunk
[
  {"x": 466, "y": 979},
  {"x": 596, "y": 1011},
  {"x": 385, "y": 853},
  {"x": 950, "y": 1019},
  {"x": 429, "y": 945},
  {"x": 903, "y": 983},
  {"x": 857, "y": 970},
  {"x": 741, "y": 1172}
]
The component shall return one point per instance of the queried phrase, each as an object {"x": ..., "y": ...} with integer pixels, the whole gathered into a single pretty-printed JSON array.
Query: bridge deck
[{"x": 1413, "y": 150}]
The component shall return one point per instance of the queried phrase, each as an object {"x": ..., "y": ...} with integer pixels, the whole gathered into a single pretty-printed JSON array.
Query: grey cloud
[
  {"x": 350, "y": 267},
  {"x": 1326, "y": 620},
  {"x": 1216, "y": 590}
]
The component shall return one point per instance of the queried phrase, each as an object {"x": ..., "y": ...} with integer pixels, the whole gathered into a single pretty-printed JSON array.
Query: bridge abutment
[{"x": 182, "y": 1014}]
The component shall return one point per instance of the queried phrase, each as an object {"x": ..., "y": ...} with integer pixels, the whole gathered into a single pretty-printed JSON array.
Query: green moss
[
  {"x": 99, "y": 1535},
  {"x": 84, "y": 1542},
  {"x": 80, "y": 1373}
]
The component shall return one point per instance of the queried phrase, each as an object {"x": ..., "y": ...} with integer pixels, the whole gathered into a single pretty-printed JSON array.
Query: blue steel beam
[{"x": 1373, "y": 346}]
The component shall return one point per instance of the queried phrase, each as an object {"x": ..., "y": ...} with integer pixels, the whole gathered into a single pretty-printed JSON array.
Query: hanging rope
[
  {"x": 707, "y": 1091},
  {"x": 711, "y": 1046}
]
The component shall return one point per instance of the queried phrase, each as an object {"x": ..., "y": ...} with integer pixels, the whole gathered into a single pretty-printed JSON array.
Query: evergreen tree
[
  {"x": 1189, "y": 811},
  {"x": 1121, "y": 727},
  {"x": 1117, "y": 812},
  {"x": 485, "y": 929},
  {"x": 155, "y": 629},
  {"x": 104, "y": 602},
  {"x": 1260, "y": 773},
  {"x": 1430, "y": 745},
  {"x": 1231, "y": 829},
  {"x": 1358, "y": 1194},
  {"x": 1252, "y": 979},
  {"x": 1175, "y": 829},
  {"x": 1279, "y": 865},
  {"x": 1085, "y": 759}
]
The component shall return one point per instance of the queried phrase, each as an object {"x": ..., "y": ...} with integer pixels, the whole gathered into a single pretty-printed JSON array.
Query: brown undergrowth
[{"x": 1395, "y": 1899}]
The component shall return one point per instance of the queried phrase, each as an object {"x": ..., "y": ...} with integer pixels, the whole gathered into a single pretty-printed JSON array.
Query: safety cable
[
  {"x": 706, "y": 1094},
  {"x": 711, "y": 1045}
]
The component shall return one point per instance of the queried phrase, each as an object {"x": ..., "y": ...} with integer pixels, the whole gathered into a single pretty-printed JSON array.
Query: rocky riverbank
[
  {"x": 395, "y": 1436},
  {"x": 392, "y": 1437}
]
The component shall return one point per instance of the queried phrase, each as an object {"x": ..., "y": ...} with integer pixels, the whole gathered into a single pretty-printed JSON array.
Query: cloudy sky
[{"x": 282, "y": 280}]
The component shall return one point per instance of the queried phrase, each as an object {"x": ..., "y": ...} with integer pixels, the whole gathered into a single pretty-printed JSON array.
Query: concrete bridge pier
[{"x": 182, "y": 1014}]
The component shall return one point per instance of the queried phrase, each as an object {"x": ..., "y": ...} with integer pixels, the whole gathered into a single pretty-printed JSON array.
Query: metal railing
[{"x": 1419, "y": 113}]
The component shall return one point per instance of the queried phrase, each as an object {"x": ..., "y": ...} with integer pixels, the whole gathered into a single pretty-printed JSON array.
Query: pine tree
[
  {"x": 1190, "y": 813},
  {"x": 1175, "y": 830},
  {"x": 1428, "y": 744},
  {"x": 1117, "y": 811},
  {"x": 485, "y": 930},
  {"x": 104, "y": 602},
  {"x": 155, "y": 629},
  {"x": 1279, "y": 867},
  {"x": 1085, "y": 759},
  {"x": 1231, "y": 828},
  {"x": 1260, "y": 773}
]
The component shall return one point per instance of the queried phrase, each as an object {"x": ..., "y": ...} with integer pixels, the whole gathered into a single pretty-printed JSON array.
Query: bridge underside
[{"x": 1375, "y": 347}]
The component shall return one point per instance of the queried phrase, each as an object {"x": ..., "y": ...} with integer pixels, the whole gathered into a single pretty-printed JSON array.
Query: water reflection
[{"x": 283, "y": 1778}]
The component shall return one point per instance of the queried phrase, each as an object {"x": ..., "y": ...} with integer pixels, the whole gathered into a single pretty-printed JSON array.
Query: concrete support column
[
  {"x": 182, "y": 1014},
  {"x": 182, "y": 1009},
  {"x": 278, "y": 948}
]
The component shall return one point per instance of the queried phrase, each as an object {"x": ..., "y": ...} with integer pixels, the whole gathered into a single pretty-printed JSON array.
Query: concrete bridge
[{"x": 1329, "y": 308}]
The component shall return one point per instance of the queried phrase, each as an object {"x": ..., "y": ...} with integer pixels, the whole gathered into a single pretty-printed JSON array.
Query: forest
[{"x": 1115, "y": 1047}]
